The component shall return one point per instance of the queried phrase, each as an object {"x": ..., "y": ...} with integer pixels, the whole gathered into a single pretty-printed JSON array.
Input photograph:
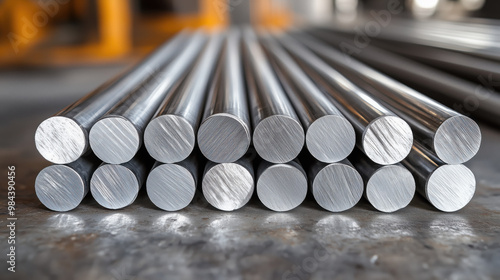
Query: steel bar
[
  {"x": 172, "y": 186},
  {"x": 281, "y": 186},
  {"x": 115, "y": 186},
  {"x": 118, "y": 135},
  {"x": 224, "y": 134},
  {"x": 63, "y": 187},
  {"x": 63, "y": 138},
  {"x": 171, "y": 136},
  {"x": 330, "y": 137},
  {"x": 384, "y": 137},
  {"x": 229, "y": 186},
  {"x": 278, "y": 136},
  {"x": 388, "y": 188},
  {"x": 453, "y": 137},
  {"x": 447, "y": 187}
]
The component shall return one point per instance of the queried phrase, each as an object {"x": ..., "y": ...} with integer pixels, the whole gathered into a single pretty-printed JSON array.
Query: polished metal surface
[
  {"x": 63, "y": 138},
  {"x": 224, "y": 134},
  {"x": 448, "y": 187},
  {"x": 380, "y": 134},
  {"x": 63, "y": 187},
  {"x": 171, "y": 186},
  {"x": 330, "y": 137},
  {"x": 281, "y": 186},
  {"x": 336, "y": 186},
  {"x": 278, "y": 135},
  {"x": 117, "y": 136},
  {"x": 229, "y": 186},
  {"x": 453, "y": 137},
  {"x": 171, "y": 136}
]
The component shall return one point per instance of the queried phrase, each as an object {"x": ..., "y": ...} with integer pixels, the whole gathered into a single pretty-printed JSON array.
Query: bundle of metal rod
[
  {"x": 330, "y": 137},
  {"x": 229, "y": 186},
  {"x": 448, "y": 187},
  {"x": 388, "y": 188},
  {"x": 171, "y": 186},
  {"x": 281, "y": 186},
  {"x": 118, "y": 135},
  {"x": 278, "y": 136},
  {"x": 453, "y": 137},
  {"x": 384, "y": 137},
  {"x": 63, "y": 138},
  {"x": 63, "y": 187},
  {"x": 116, "y": 186},
  {"x": 224, "y": 134}
]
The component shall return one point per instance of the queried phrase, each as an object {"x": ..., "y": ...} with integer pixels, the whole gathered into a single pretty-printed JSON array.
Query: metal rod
[
  {"x": 281, "y": 186},
  {"x": 224, "y": 134},
  {"x": 63, "y": 187},
  {"x": 171, "y": 136},
  {"x": 447, "y": 187},
  {"x": 453, "y": 137},
  {"x": 118, "y": 135},
  {"x": 330, "y": 137},
  {"x": 63, "y": 138},
  {"x": 278, "y": 136},
  {"x": 172, "y": 186},
  {"x": 388, "y": 188},
  {"x": 384, "y": 137}
]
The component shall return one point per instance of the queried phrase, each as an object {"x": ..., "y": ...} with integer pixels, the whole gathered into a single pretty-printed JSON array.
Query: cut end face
[
  {"x": 169, "y": 138},
  {"x": 61, "y": 140},
  {"x": 387, "y": 140},
  {"x": 457, "y": 140},
  {"x": 114, "y": 186},
  {"x": 114, "y": 140},
  {"x": 278, "y": 139}
]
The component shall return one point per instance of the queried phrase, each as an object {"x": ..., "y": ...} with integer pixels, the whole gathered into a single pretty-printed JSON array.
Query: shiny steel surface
[
  {"x": 447, "y": 187},
  {"x": 330, "y": 137},
  {"x": 281, "y": 186},
  {"x": 171, "y": 136},
  {"x": 454, "y": 137},
  {"x": 117, "y": 136},
  {"x": 380, "y": 134},
  {"x": 63, "y": 187},
  {"x": 63, "y": 138},
  {"x": 278, "y": 135},
  {"x": 336, "y": 186}
]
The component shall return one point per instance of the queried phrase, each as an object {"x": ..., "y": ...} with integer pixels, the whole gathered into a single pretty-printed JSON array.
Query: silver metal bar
[
  {"x": 448, "y": 187},
  {"x": 281, "y": 186},
  {"x": 330, "y": 137},
  {"x": 224, "y": 134},
  {"x": 63, "y": 187},
  {"x": 118, "y": 135},
  {"x": 63, "y": 138},
  {"x": 453, "y": 137},
  {"x": 384, "y": 137},
  {"x": 171, "y": 136},
  {"x": 278, "y": 136},
  {"x": 172, "y": 186}
]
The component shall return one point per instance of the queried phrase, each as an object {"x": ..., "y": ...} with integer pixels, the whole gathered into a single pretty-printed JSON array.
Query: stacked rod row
[{"x": 280, "y": 113}]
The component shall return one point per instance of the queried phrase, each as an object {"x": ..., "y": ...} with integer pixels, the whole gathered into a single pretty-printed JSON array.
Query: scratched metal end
[
  {"x": 457, "y": 140},
  {"x": 114, "y": 186}
]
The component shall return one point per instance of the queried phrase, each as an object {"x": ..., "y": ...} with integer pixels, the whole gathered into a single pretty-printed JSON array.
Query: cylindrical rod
[
  {"x": 224, "y": 134},
  {"x": 63, "y": 187},
  {"x": 171, "y": 186},
  {"x": 117, "y": 136},
  {"x": 330, "y": 137},
  {"x": 278, "y": 135},
  {"x": 229, "y": 186},
  {"x": 453, "y": 137},
  {"x": 170, "y": 137},
  {"x": 384, "y": 137},
  {"x": 281, "y": 186},
  {"x": 447, "y": 187},
  {"x": 63, "y": 138}
]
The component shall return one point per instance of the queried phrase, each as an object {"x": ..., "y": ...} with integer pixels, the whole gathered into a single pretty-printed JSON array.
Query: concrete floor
[{"x": 143, "y": 242}]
